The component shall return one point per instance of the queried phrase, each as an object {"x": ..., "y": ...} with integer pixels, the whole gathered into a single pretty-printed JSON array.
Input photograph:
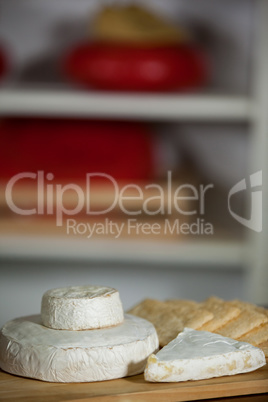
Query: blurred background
[{"x": 133, "y": 92}]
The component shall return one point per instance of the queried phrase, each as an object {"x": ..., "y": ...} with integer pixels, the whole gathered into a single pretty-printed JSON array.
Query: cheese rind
[
  {"x": 81, "y": 307},
  {"x": 29, "y": 349},
  {"x": 198, "y": 355}
]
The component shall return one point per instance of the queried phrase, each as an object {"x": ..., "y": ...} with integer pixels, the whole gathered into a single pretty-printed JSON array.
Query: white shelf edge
[
  {"x": 68, "y": 103},
  {"x": 211, "y": 253}
]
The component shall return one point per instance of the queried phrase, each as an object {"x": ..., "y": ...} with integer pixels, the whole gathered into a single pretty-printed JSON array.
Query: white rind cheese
[
  {"x": 197, "y": 355},
  {"x": 81, "y": 307},
  {"x": 29, "y": 349}
]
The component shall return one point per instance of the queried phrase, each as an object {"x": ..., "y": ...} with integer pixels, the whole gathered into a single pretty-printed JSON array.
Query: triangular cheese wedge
[{"x": 196, "y": 355}]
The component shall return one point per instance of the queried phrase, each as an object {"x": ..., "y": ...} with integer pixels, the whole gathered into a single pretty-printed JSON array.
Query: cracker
[
  {"x": 257, "y": 335},
  {"x": 181, "y": 302},
  {"x": 248, "y": 319},
  {"x": 223, "y": 313},
  {"x": 166, "y": 322},
  {"x": 243, "y": 304},
  {"x": 260, "y": 334},
  {"x": 192, "y": 314}
]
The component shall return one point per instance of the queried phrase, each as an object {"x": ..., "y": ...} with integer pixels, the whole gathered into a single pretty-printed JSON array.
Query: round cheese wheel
[
  {"x": 81, "y": 307},
  {"x": 29, "y": 349}
]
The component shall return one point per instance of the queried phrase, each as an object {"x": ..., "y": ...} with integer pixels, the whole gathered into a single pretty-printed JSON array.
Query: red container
[
  {"x": 132, "y": 68},
  {"x": 73, "y": 148}
]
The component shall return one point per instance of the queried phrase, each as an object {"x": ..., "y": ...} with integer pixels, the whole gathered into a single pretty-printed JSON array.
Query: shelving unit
[
  {"x": 250, "y": 254},
  {"x": 214, "y": 254}
]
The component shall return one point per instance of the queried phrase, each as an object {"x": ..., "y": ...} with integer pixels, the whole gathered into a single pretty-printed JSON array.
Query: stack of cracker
[{"x": 234, "y": 319}]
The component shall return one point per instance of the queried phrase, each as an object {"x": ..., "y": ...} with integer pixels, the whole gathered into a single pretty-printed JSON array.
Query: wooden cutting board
[{"x": 130, "y": 389}]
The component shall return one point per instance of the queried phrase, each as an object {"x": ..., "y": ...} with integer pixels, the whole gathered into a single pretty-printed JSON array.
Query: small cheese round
[
  {"x": 29, "y": 349},
  {"x": 81, "y": 307}
]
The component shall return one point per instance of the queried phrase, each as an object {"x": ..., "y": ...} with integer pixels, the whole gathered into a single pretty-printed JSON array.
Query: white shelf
[
  {"x": 214, "y": 254},
  {"x": 68, "y": 103}
]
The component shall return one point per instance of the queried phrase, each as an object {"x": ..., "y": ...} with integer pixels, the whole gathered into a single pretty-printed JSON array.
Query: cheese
[
  {"x": 27, "y": 348},
  {"x": 196, "y": 355},
  {"x": 81, "y": 307}
]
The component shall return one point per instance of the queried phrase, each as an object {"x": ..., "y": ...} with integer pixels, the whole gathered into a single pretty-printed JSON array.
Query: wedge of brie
[
  {"x": 196, "y": 355},
  {"x": 29, "y": 349},
  {"x": 81, "y": 307}
]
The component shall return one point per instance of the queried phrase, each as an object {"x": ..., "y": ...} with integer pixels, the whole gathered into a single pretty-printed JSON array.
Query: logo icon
[{"x": 255, "y": 220}]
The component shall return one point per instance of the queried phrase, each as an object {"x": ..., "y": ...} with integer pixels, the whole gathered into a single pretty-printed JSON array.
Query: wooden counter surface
[{"x": 130, "y": 389}]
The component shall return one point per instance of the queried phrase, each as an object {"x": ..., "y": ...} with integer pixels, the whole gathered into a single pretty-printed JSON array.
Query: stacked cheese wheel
[{"x": 82, "y": 335}]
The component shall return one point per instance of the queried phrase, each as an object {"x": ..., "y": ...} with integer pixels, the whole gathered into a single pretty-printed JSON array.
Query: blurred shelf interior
[{"x": 240, "y": 95}]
